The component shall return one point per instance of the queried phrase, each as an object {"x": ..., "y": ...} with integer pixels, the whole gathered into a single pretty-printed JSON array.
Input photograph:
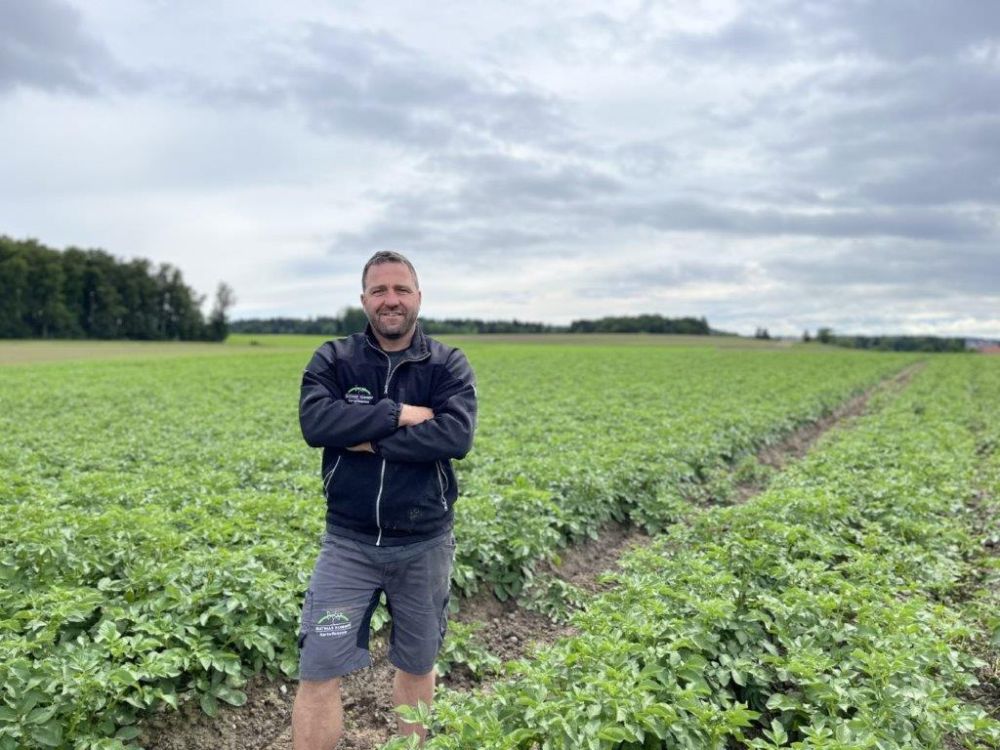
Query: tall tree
[
  {"x": 218, "y": 322},
  {"x": 13, "y": 289},
  {"x": 89, "y": 293}
]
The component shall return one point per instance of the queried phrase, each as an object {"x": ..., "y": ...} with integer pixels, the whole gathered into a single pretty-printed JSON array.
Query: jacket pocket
[
  {"x": 412, "y": 500},
  {"x": 442, "y": 478},
  {"x": 328, "y": 479},
  {"x": 351, "y": 486}
]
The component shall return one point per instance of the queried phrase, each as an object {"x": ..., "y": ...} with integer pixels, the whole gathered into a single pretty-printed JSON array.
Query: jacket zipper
[
  {"x": 378, "y": 502},
  {"x": 385, "y": 391}
]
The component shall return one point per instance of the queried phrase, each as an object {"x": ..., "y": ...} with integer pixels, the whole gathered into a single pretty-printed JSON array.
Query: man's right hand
[{"x": 410, "y": 415}]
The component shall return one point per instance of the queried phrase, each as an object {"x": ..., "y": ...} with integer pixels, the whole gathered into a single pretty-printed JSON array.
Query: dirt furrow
[{"x": 511, "y": 631}]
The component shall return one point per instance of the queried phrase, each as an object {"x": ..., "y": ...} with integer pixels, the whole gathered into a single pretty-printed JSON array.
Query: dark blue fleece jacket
[{"x": 351, "y": 394}]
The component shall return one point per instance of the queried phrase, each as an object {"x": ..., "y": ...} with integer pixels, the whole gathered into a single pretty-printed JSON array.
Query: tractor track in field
[
  {"x": 985, "y": 586},
  {"x": 510, "y": 630}
]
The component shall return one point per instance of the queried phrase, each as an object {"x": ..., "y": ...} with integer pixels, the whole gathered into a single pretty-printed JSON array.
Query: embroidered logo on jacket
[{"x": 359, "y": 395}]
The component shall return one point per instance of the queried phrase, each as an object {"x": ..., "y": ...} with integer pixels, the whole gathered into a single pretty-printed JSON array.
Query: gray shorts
[{"x": 343, "y": 593}]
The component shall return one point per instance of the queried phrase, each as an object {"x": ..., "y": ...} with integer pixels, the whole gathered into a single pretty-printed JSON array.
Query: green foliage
[
  {"x": 817, "y": 615},
  {"x": 45, "y": 293},
  {"x": 889, "y": 343},
  {"x": 642, "y": 324},
  {"x": 353, "y": 319},
  {"x": 463, "y": 647},
  {"x": 159, "y": 518},
  {"x": 552, "y": 597}
]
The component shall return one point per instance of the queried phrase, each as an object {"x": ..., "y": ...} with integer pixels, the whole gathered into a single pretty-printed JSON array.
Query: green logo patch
[{"x": 359, "y": 395}]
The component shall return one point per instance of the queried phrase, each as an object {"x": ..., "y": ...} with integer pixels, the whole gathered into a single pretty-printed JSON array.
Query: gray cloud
[
  {"x": 488, "y": 203},
  {"x": 369, "y": 85},
  {"x": 680, "y": 215},
  {"x": 748, "y": 39},
  {"x": 903, "y": 270},
  {"x": 636, "y": 281},
  {"x": 866, "y": 133},
  {"x": 469, "y": 242},
  {"x": 899, "y": 29},
  {"x": 43, "y": 45}
]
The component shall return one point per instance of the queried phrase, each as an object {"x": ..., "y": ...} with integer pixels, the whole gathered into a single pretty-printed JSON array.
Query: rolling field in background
[{"x": 160, "y": 516}]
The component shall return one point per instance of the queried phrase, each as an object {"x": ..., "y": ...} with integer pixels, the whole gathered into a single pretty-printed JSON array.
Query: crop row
[
  {"x": 159, "y": 518},
  {"x": 828, "y": 613}
]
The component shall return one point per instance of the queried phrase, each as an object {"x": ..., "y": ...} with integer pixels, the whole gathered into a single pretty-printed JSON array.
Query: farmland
[
  {"x": 160, "y": 515},
  {"x": 831, "y": 612}
]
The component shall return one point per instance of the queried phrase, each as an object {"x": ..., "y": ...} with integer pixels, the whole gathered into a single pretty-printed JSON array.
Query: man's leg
[
  {"x": 408, "y": 689},
  {"x": 418, "y": 593},
  {"x": 333, "y": 640},
  {"x": 317, "y": 716}
]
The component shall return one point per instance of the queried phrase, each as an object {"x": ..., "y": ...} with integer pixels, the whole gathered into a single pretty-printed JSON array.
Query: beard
[{"x": 394, "y": 327}]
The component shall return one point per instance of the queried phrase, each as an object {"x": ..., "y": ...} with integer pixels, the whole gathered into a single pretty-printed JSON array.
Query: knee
[
  {"x": 415, "y": 680},
  {"x": 417, "y": 676},
  {"x": 318, "y": 691}
]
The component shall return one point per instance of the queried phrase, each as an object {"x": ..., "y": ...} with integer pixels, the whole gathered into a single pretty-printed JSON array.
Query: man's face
[{"x": 391, "y": 300}]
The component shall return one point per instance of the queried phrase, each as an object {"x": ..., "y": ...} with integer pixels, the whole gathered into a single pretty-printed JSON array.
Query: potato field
[{"x": 160, "y": 516}]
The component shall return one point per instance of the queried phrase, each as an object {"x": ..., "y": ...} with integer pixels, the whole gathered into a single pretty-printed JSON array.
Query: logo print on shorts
[
  {"x": 359, "y": 395},
  {"x": 334, "y": 622}
]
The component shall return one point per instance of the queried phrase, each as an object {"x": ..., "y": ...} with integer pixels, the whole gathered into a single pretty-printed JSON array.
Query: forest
[{"x": 74, "y": 293}]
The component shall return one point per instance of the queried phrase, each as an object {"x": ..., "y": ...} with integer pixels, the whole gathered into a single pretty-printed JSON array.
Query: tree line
[
  {"x": 352, "y": 319},
  {"x": 886, "y": 343},
  {"x": 74, "y": 293},
  {"x": 643, "y": 324}
]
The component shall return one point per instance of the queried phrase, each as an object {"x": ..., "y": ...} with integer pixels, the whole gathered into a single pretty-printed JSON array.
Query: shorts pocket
[
  {"x": 444, "y": 621},
  {"x": 306, "y": 618}
]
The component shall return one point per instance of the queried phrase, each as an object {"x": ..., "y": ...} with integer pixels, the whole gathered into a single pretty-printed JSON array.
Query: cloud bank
[{"x": 780, "y": 164}]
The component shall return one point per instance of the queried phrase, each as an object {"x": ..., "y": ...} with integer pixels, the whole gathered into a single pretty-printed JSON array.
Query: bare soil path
[{"x": 510, "y": 630}]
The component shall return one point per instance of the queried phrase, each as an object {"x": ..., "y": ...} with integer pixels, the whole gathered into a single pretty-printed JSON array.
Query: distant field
[
  {"x": 578, "y": 339},
  {"x": 32, "y": 352},
  {"x": 14, "y": 352}
]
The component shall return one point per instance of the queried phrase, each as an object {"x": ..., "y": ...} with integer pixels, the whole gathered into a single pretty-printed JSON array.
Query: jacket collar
[{"x": 418, "y": 348}]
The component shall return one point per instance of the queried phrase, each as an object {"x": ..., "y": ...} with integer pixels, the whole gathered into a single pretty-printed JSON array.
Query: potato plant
[
  {"x": 159, "y": 518},
  {"x": 830, "y": 612}
]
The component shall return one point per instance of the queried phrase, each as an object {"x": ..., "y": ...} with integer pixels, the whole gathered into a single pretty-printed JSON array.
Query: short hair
[{"x": 388, "y": 256}]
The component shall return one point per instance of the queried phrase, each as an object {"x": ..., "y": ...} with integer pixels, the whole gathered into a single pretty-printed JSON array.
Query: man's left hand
[{"x": 362, "y": 448}]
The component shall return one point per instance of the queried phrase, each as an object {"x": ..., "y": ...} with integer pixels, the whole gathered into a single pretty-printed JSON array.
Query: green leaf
[
  {"x": 41, "y": 715},
  {"x": 777, "y": 733},
  {"x": 128, "y": 733},
  {"x": 614, "y": 733},
  {"x": 49, "y": 735},
  {"x": 231, "y": 696},
  {"x": 209, "y": 704}
]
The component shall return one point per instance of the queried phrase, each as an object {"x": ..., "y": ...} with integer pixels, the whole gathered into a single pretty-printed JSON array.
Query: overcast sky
[{"x": 777, "y": 163}]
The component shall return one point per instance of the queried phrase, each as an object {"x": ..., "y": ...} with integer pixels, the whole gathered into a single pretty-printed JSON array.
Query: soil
[
  {"x": 583, "y": 563},
  {"x": 797, "y": 444},
  {"x": 986, "y": 511},
  {"x": 511, "y": 632},
  {"x": 268, "y": 708}
]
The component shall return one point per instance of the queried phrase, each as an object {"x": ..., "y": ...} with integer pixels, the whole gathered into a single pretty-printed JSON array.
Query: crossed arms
[{"x": 399, "y": 432}]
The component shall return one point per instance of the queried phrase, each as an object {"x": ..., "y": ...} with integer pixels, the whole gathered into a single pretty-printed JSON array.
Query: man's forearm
[
  {"x": 330, "y": 422},
  {"x": 409, "y": 416},
  {"x": 448, "y": 435}
]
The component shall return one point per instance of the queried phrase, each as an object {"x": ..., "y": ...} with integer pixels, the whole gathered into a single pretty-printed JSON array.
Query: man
[{"x": 390, "y": 407}]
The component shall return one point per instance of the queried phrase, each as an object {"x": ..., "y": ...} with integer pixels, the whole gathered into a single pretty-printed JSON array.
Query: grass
[{"x": 34, "y": 351}]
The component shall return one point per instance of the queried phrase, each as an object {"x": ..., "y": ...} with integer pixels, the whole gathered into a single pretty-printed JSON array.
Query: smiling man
[{"x": 391, "y": 408}]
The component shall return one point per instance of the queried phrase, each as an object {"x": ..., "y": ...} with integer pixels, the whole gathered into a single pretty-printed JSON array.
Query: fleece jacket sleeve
[
  {"x": 449, "y": 433},
  {"x": 327, "y": 420}
]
